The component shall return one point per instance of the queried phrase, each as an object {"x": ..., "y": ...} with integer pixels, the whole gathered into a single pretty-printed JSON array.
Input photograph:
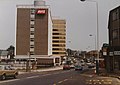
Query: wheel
[
  {"x": 3, "y": 77},
  {"x": 15, "y": 76}
]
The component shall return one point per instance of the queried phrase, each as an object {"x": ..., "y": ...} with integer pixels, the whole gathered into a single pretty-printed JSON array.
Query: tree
[
  {"x": 69, "y": 51},
  {"x": 11, "y": 50}
]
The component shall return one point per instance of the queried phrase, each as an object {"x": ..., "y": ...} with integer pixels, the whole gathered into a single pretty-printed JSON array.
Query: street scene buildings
[
  {"x": 40, "y": 46},
  {"x": 38, "y": 34}
]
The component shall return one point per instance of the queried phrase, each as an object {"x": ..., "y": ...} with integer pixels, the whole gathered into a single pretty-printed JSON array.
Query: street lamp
[{"x": 97, "y": 60}]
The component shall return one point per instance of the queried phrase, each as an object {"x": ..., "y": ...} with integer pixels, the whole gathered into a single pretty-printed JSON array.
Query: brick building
[
  {"x": 114, "y": 39},
  {"x": 34, "y": 29},
  {"x": 37, "y": 34}
]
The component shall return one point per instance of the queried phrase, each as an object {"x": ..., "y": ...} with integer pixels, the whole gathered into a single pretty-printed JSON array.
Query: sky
[{"x": 81, "y": 18}]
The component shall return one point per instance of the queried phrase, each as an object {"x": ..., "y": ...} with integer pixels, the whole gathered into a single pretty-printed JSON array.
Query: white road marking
[
  {"x": 46, "y": 74},
  {"x": 65, "y": 80},
  {"x": 60, "y": 82},
  {"x": 32, "y": 77},
  {"x": 5, "y": 81}
]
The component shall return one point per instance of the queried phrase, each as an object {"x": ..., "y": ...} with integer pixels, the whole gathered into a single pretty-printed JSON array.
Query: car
[
  {"x": 66, "y": 67},
  {"x": 78, "y": 67},
  {"x": 7, "y": 71},
  {"x": 90, "y": 65},
  {"x": 72, "y": 66}
]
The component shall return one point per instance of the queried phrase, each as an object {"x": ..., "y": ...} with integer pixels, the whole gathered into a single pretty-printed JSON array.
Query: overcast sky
[{"x": 80, "y": 17}]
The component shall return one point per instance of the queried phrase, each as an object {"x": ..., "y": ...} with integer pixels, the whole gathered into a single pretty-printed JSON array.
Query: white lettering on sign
[
  {"x": 116, "y": 52},
  {"x": 111, "y": 53},
  {"x": 104, "y": 53},
  {"x": 41, "y": 11}
]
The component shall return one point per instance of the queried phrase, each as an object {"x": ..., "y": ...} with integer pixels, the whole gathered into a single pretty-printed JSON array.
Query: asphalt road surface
[{"x": 61, "y": 77}]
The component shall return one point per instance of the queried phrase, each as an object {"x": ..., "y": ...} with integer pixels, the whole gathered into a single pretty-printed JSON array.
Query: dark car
[
  {"x": 78, "y": 67},
  {"x": 66, "y": 67}
]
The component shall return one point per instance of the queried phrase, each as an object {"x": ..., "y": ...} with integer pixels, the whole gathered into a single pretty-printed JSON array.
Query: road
[{"x": 61, "y": 77}]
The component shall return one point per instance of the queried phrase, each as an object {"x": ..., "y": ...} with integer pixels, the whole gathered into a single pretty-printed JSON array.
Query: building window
[
  {"x": 32, "y": 39},
  {"x": 60, "y": 45},
  {"x": 31, "y": 36},
  {"x": 31, "y": 43},
  {"x": 32, "y": 29},
  {"x": 31, "y": 49},
  {"x": 31, "y": 46},
  {"x": 55, "y": 37},
  {"x": 55, "y": 29},
  {"x": 55, "y": 45},
  {"x": 32, "y": 16},
  {"x": 31, "y": 53},
  {"x": 115, "y": 15},
  {"x": 58, "y": 33},
  {"x": 58, "y": 49},
  {"x": 57, "y": 41},
  {"x": 59, "y": 53},
  {"x": 32, "y": 22},
  {"x": 31, "y": 32},
  {"x": 115, "y": 34},
  {"x": 32, "y": 25}
]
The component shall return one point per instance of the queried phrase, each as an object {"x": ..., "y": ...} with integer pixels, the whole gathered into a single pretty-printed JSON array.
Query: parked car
[
  {"x": 66, "y": 67},
  {"x": 7, "y": 71}
]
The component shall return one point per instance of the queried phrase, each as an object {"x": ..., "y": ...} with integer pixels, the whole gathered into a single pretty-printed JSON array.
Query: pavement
[
  {"x": 115, "y": 74},
  {"x": 103, "y": 73},
  {"x": 43, "y": 69}
]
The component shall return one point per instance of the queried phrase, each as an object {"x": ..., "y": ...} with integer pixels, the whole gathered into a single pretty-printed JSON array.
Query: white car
[{"x": 90, "y": 65}]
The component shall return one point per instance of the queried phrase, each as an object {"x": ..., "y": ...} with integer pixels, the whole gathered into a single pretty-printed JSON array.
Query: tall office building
[
  {"x": 34, "y": 29},
  {"x": 59, "y": 37}
]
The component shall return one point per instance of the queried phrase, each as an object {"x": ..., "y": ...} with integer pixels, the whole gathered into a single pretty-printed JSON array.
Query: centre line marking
[
  {"x": 65, "y": 79},
  {"x": 46, "y": 74},
  {"x": 32, "y": 77},
  {"x": 60, "y": 82}
]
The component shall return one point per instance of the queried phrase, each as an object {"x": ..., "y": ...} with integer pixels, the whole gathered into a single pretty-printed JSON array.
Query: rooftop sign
[{"x": 41, "y": 11}]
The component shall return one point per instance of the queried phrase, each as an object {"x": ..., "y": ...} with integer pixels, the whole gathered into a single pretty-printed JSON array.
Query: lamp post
[{"x": 97, "y": 30}]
